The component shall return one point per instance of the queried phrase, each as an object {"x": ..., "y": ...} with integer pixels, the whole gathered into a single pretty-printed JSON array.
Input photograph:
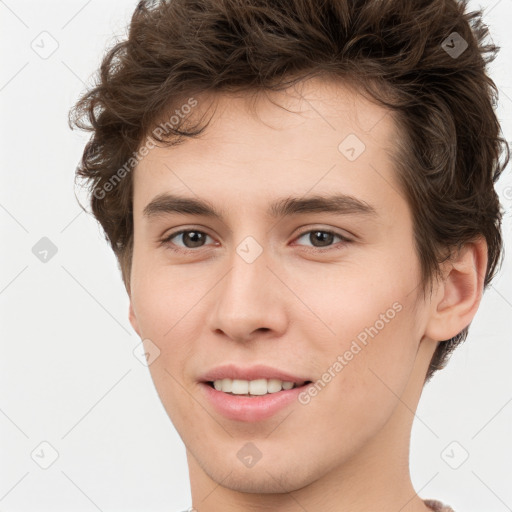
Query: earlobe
[
  {"x": 460, "y": 292},
  {"x": 133, "y": 319}
]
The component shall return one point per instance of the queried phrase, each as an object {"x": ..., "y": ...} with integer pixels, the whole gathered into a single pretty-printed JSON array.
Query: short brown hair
[{"x": 395, "y": 51}]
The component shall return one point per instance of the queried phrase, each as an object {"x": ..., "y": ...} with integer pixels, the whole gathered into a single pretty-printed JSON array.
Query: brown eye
[
  {"x": 190, "y": 238},
  {"x": 321, "y": 238}
]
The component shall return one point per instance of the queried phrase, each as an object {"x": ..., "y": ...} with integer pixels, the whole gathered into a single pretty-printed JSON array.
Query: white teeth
[
  {"x": 240, "y": 387},
  {"x": 274, "y": 385},
  {"x": 253, "y": 387},
  {"x": 226, "y": 384},
  {"x": 258, "y": 387}
]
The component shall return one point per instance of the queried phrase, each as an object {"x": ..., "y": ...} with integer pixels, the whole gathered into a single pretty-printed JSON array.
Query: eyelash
[{"x": 167, "y": 240}]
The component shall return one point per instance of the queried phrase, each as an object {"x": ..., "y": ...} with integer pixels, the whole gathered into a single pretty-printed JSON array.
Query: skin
[{"x": 348, "y": 448}]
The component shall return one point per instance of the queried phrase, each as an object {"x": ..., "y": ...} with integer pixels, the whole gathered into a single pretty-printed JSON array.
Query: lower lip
[{"x": 250, "y": 409}]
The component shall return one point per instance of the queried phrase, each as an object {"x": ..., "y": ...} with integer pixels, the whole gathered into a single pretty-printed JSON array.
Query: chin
[
  {"x": 261, "y": 481},
  {"x": 270, "y": 476}
]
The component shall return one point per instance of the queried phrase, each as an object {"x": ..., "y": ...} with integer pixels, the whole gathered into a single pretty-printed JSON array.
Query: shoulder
[{"x": 437, "y": 506}]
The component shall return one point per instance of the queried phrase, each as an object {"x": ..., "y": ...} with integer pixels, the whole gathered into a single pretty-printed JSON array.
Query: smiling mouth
[{"x": 258, "y": 387}]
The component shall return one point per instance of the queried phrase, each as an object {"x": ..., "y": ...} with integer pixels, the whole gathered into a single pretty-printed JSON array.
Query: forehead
[
  {"x": 315, "y": 136},
  {"x": 325, "y": 108}
]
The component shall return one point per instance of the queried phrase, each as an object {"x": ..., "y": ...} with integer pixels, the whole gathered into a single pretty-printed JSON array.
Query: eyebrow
[{"x": 164, "y": 204}]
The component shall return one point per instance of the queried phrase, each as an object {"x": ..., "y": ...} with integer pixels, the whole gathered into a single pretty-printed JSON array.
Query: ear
[
  {"x": 458, "y": 296},
  {"x": 133, "y": 319}
]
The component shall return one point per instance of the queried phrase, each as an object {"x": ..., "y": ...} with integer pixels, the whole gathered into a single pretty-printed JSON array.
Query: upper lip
[{"x": 231, "y": 371}]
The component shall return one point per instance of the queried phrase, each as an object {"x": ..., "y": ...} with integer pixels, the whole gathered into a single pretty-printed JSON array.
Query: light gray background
[{"x": 68, "y": 374}]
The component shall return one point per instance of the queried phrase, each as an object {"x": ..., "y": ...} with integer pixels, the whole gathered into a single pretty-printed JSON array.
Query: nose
[{"x": 250, "y": 301}]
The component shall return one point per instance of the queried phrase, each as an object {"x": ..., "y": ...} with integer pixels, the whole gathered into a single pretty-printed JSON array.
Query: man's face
[{"x": 297, "y": 293}]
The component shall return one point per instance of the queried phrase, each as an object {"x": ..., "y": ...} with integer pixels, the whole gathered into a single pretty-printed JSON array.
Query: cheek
[
  {"x": 162, "y": 310},
  {"x": 380, "y": 370},
  {"x": 160, "y": 295},
  {"x": 368, "y": 334},
  {"x": 371, "y": 361},
  {"x": 362, "y": 298}
]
